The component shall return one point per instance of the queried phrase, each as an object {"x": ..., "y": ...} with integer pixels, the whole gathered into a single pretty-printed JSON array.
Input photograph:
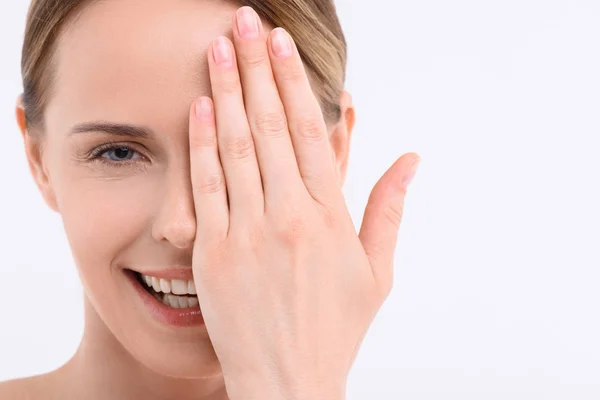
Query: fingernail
[
  {"x": 281, "y": 43},
  {"x": 203, "y": 108},
  {"x": 247, "y": 23},
  {"x": 411, "y": 173},
  {"x": 222, "y": 52}
]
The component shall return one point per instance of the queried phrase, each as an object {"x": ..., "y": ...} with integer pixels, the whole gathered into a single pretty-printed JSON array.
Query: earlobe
[
  {"x": 33, "y": 151},
  {"x": 341, "y": 135},
  {"x": 20, "y": 115},
  {"x": 348, "y": 111}
]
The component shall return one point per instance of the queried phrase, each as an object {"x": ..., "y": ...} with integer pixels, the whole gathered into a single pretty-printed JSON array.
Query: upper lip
[{"x": 169, "y": 273}]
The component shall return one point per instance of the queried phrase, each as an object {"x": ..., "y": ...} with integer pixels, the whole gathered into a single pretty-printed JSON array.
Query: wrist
[{"x": 261, "y": 388}]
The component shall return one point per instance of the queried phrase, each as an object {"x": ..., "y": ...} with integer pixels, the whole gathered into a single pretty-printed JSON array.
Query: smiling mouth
[{"x": 174, "y": 293}]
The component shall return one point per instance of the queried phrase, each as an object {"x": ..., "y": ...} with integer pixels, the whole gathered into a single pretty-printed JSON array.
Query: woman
[{"x": 196, "y": 155}]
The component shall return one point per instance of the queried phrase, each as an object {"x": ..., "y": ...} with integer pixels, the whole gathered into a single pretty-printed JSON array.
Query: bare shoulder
[{"x": 30, "y": 388}]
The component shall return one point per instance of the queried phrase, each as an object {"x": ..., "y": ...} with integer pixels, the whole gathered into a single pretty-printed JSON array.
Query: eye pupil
[{"x": 121, "y": 152}]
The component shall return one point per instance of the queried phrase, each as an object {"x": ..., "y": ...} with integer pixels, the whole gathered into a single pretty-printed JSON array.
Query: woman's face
[{"x": 140, "y": 63}]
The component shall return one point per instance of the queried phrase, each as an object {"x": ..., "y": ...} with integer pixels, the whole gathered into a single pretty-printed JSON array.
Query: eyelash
[{"x": 97, "y": 155}]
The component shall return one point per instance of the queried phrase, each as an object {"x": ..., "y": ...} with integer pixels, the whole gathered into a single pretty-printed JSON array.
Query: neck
[{"x": 102, "y": 368}]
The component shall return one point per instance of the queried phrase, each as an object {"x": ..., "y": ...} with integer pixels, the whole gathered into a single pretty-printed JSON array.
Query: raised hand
[{"x": 286, "y": 286}]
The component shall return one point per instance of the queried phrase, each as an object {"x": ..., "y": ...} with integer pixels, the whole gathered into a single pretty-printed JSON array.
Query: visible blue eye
[
  {"x": 121, "y": 153},
  {"x": 116, "y": 155}
]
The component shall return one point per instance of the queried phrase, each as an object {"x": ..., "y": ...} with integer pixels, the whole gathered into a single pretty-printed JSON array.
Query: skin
[{"x": 153, "y": 76}]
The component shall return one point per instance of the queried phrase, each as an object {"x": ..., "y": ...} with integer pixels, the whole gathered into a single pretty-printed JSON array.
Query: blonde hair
[{"x": 313, "y": 24}]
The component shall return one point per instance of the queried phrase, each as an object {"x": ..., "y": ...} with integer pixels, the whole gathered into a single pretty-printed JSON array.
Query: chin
[
  {"x": 124, "y": 318},
  {"x": 183, "y": 366},
  {"x": 168, "y": 355}
]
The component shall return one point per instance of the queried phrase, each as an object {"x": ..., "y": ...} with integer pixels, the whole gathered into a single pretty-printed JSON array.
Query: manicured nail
[
  {"x": 411, "y": 173},
  {"x": 247, "y": 23},
  {"x": 222, "y": 52},
  {"x": 281, "y": 43}
]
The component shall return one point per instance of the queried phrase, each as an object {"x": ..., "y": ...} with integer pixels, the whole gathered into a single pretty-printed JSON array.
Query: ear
[
  {"x": 341, "y": 134},
  {"x": 33, "y": 150}
]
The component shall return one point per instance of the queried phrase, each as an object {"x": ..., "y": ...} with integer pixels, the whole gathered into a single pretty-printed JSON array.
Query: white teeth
[
  {"x": 165, "y": 286},
  {"x": 155, "y": 284},
  {"x": 175, "y": 286},
  {"x": 183, "y": 303},
  {"x": 193, "y": 301},
  {"x": 179, "y": 286},
  {"x": 173, "y": 301},
  {"x": 191, "y": 288}
]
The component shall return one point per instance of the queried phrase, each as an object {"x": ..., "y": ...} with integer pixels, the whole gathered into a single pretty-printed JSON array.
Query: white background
[{"x": 497, "y": 276}]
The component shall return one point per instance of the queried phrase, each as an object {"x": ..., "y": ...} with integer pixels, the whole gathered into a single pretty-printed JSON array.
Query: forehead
[{"x": 141, "y": 61}]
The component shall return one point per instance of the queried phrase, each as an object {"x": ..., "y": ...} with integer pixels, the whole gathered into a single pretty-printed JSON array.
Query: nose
[{"x": 176, "y": 219}]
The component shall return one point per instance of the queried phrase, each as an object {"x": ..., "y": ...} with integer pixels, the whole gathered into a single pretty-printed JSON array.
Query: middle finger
[{"x": 266, "y": 114}]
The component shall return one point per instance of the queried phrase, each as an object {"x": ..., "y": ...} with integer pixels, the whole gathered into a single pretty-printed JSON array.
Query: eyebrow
[{"x": 112, "y": 129}]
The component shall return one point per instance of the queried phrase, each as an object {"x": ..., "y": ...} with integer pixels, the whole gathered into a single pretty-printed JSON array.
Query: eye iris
[{"x": 122, "y": 153}]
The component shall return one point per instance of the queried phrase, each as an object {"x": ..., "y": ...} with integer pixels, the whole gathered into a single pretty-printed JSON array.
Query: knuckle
[
  {"x": 293, "y": 229},
  {"x": 272, "y": 124},
  {"x": 253, "y": 59},
  {"x": 229, "y": 84},
  {"x": 310, "y": 129},
  {"x": 293, "y": 75},
  {"x": 393, "y": 213},
  {"x": 239, "y": 147},
  {"x": 211, "y": 184},
  {"x": 200, "y": 140},
  {"x": 292, "y": 223}
]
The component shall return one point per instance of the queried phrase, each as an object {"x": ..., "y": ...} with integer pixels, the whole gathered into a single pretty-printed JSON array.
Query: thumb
[{"x": 383, "y": 214}]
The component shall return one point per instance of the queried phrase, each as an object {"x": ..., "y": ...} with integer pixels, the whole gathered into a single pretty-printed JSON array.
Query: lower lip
[{"x": 163, "y": 313}]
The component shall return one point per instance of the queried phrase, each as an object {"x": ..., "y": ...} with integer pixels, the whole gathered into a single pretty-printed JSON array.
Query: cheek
[{"x": 103, "y": 217}]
